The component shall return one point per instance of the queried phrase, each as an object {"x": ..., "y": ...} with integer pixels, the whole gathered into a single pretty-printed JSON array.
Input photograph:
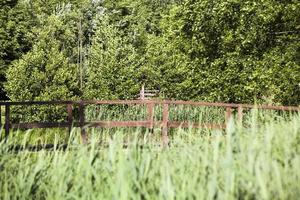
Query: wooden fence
[{"x": 150, "y": 123}]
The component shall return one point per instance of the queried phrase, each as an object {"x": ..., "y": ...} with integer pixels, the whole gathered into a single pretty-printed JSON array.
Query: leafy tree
[
  {"x": 23, "y": 21},
  {"x": 44, "y": 73},
  {"x": 230, "y": 44},
  {"x": 15, "y": 35},
  {"x": 228, "y": 50},
  {"x": 119, "y": 59},
  {"x": 114, "y": 61}
]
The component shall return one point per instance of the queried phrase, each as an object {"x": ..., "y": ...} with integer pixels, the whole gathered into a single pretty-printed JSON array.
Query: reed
[{"x": 259, "y": 160}]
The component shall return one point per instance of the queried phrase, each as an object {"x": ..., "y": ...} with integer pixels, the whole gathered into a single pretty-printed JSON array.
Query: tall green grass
[
  {"x": 259, "y": 160},
  {"x": 139, "y": 112}
]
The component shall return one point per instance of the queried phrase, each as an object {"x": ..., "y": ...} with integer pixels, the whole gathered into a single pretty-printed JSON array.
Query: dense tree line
[{"x": 225, "y": 50}]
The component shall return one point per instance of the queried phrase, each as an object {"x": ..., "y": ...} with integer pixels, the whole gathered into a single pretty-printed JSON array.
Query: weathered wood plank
[{"x": 33, "y": 125}]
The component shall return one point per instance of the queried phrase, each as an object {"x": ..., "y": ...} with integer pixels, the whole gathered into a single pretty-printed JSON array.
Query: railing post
[
  {"x": 150, "y": 115},
  {"x": 70, "y": 117},
  {"x": 240, "y": 115},
  {"x": 82, "y": 123},
  {"x": 7, "y": 120},
  {"x": 165, "y": 124},
  {"x": 142, "y": 93}
]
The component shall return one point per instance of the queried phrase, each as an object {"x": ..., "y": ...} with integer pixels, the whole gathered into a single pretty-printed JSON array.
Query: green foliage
[
  {"x": 228, "y": 50},
  {"x": 111, "y": 74},
  {"x": 15, "y": 35},
  {"x": 230, "y": 45},
  {"x": 45, "y": 72},
  {"x": 119, "y": 60},
  {"x": 258, "y": 162},
  {"x": 26, "y": 21}
]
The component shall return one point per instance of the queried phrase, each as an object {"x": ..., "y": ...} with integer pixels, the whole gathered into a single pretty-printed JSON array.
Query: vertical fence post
[
  {"x": 7, "y": 120},
  {"x": 240, "y": 115},
  {"x": 228, "y": 114},
  {"x": 142, "y": 93},
  {"x": 150, "y": 115},
  {"x": 70, "y": 117},
  {"x": 165, "y": 124},
  {"x": 82, "y": 122}
]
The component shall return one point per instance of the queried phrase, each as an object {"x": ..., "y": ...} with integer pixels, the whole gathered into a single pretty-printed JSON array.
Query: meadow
[{"x": 258, "y": 159}]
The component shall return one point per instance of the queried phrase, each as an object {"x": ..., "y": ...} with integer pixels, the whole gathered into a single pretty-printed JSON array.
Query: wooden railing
[{"x": 150, "y": 123}]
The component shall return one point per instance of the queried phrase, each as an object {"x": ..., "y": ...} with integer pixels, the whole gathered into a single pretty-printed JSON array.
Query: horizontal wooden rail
[
  {"x": 32, "y": 103},
  {"x": 40, "y": 125},
  {"x": 112, "y": 124},
  {"x": 149, "y": 123}
]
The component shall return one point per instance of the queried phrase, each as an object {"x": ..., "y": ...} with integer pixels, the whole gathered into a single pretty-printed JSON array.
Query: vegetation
[
  {"x": 228, "y": 50},
  {"x": 257, "y": 161}
]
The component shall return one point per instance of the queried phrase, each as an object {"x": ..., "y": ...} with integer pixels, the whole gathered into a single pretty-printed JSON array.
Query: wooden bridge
[{"x": 149, "y": 123}]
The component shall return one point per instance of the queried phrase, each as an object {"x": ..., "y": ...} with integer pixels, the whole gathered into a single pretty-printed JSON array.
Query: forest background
[{"x": 211, "y": 50}]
